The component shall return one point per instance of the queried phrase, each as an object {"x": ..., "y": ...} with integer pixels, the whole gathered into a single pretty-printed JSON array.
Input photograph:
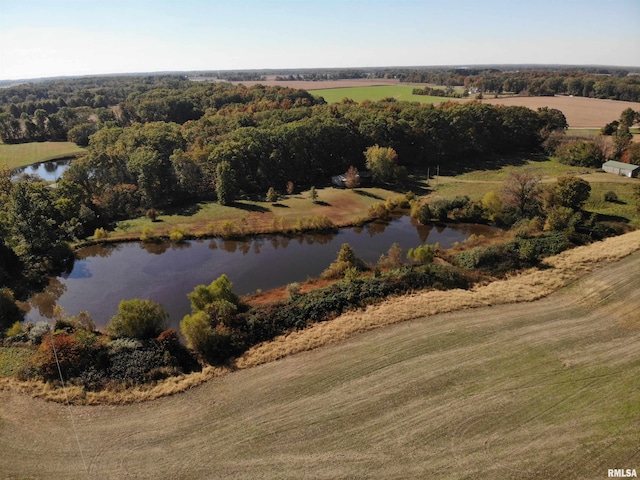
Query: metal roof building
[{"x": 619, "y": 168}]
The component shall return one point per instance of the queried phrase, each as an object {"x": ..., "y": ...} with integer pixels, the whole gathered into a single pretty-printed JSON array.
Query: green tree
[
  {"x": 381, "y": 161},
  {"x": 138, "y": 319},
  {"x": 225, "y": 183},
  {"x": 203, "y": 296},
  {"x": 33, "y": 218},
  {"x": 571, "y": 192}
]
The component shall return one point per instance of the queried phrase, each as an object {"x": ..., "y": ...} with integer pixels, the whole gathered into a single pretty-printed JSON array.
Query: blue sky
[{"x": 79, "y": 37}]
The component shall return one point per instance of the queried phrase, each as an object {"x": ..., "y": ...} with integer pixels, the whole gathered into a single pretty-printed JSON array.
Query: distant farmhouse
[
  {"x": 619, "y": 168},
  {"x": 340, "y": 181}
]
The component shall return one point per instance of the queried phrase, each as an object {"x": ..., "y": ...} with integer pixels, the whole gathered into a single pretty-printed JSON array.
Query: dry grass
[{"x": 546, "y": 389}]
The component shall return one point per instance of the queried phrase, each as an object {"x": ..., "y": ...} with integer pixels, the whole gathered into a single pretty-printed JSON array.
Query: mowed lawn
[
  {"x": 547, "y": 389},
  {"x": 22, "y": 154},
  {"x": 358, "y": 94}
]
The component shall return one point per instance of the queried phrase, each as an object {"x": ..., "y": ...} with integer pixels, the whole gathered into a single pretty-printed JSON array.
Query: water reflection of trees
[
  {"x": 102, "y": 251},
  {"x": 46, "y": 300}
]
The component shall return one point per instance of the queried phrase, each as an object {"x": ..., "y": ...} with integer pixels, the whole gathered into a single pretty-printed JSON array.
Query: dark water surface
[{"x": 102, "y": 276}]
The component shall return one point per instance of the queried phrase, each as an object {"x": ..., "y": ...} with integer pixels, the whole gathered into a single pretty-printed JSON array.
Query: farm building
[
  {"x": 340, "y": 180},
  {"x": 619, "y": 168}
]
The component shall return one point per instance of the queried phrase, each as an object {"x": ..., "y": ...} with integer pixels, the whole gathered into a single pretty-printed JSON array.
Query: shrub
[
  {"x": 610, "y": 196},
  {"x": 423, "y": 254},
  {"x": 228, "y": 228},
  {"x": 15, "y": 330},
  {"x": 147, "y": 234},
  {"x": 100, "y": 233},
  {"x": 272, "y": 195},
  {"x": 422, "y": 213},
  {"x": 214, "y": 345},
  {"x": 559, "y": 219},
  {"x": 38, "y": 331},
  {"x": 66, "y": 354},
  {"x": 177, "y": 234},
  {"x": 152, "y": 214},
  {"x": 346, "y": 259},
  {"x": 379, "y": 210},
  {"x": 293, "y": 290},
  {"x": 393, "y": 259},
  {"x": 9, "y": 311},
  {"x": 138, "y": 319}
]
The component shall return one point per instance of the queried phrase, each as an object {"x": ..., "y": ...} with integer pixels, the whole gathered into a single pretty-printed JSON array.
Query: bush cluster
[{"x": 514, "y": 255}]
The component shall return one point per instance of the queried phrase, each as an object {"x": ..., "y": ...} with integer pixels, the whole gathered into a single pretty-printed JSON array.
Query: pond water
[
  {"x": 102, "y": 276},
  {"x": 48, "y": 171}
]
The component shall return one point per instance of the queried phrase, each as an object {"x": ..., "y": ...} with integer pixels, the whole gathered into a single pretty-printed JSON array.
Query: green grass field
[
  {"x": 358, "y": 94},
  {"x": 22, "y": 154}
]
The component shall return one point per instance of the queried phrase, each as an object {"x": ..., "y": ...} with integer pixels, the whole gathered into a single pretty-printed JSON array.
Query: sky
[{"x": 44, "y": 38}]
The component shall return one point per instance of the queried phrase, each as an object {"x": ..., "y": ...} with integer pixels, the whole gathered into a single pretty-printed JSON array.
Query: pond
[
  {"x": 48, "y": 171},
  {"x": 166, "y": 272}
]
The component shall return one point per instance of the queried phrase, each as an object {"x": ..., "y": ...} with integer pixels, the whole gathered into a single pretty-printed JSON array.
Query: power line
[{"x": 66, "y": 395}]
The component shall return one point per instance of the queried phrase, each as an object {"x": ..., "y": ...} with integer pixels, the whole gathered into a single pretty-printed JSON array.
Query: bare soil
[{"x": 542, "y": 389}]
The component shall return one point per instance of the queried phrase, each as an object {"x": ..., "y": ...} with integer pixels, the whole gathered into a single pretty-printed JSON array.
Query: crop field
[
  {"x": 580, "y": 112},
  {"x": 544, "y": 389},
  {"x": 373, "y": 93},
  {"x": 22, "y": 154}
]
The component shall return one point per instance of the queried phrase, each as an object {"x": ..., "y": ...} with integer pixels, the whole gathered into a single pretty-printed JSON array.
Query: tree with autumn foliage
[{"x": 381, "y": 161}]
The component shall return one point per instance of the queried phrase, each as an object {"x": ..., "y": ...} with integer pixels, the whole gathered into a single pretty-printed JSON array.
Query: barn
[{"x": 619, "y": 168}]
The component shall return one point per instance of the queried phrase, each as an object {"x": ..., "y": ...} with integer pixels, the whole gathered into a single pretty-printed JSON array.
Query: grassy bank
[
  {"x": 22, "y": 154},
  {"x": 291, "y": 213}
]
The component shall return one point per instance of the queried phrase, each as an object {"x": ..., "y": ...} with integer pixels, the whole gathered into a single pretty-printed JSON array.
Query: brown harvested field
[
  {"x": 580, "y": 112},
  {"x": 545, "y": 389}
]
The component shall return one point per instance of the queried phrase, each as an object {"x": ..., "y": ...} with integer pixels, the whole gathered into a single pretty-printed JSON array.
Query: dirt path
[{"x": 546, "y": 389}]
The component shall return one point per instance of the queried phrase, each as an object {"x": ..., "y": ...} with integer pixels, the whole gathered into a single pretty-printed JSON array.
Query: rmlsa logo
[{"x": 623, "y": 472}]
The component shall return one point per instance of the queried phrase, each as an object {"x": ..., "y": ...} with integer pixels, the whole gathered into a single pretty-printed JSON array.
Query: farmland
[
  {"x": 535, "y": 390},
  {"x": 580, "y": 112},
  {"x": 22, "y": 154},
  {"x": 373, "y": 93}
]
